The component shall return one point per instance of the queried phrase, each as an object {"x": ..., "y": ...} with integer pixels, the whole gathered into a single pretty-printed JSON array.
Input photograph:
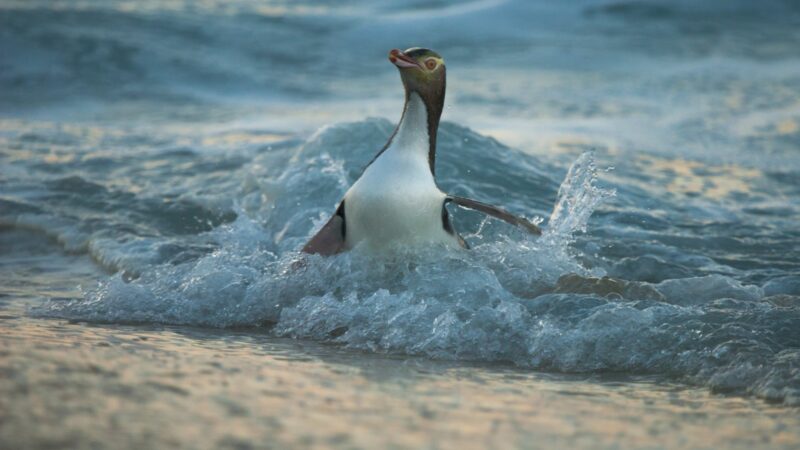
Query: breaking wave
[{"x": 541, "y": 303}]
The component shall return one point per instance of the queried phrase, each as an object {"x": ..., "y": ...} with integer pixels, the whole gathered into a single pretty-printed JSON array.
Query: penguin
[{"x": 396, "y": 199}]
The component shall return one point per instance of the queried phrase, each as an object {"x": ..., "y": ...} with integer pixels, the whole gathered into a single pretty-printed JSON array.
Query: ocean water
[{"x": 163, "y": 162}]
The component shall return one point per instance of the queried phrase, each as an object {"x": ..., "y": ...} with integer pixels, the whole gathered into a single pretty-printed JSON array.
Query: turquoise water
[{"x": 181, "y": 153}]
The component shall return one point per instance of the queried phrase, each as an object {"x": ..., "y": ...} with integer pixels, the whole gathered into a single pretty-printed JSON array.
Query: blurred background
[{"x": 712, "y": 79}]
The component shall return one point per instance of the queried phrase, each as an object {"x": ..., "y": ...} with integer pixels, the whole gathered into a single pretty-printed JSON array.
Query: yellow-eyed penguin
[{"x": 396, "y": 199}]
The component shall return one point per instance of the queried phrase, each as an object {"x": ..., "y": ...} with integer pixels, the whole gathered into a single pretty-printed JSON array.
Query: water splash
[
  {"x": 578, "y": 197},
  {"x": 249, "y": 264}
]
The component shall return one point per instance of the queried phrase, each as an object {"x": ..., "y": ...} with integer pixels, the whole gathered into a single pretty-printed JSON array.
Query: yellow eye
[{"x": 430, "y": 64}]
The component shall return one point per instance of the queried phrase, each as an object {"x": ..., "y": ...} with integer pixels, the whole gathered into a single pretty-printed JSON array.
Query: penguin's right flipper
[
  {"x": 330, "y": 239},
  {"x": 494, "y": 211}
]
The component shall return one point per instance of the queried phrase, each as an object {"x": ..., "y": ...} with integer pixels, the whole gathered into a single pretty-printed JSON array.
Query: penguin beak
[{"x": 401, "y": 60}]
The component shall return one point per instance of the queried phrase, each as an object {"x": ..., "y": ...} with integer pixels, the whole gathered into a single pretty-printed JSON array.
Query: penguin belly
[{"x": 395, "y": 202}]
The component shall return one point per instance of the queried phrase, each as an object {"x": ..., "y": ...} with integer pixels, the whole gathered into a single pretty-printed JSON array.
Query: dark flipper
[
  {"x": 448, "y": 227},
  {"x": 496, "y": 212},
  {"x": 330, "y": 239}
]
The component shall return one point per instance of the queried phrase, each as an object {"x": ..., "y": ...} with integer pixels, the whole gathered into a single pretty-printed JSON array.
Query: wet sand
[{"x": 69, "y": 385}]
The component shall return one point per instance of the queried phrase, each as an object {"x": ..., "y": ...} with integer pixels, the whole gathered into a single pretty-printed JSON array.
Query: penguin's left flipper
[
  {"x": 330, "y": 239},
  {"x": 495, "y": 212}
]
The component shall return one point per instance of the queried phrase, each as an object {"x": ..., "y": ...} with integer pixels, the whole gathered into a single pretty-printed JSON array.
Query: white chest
[{"x": 395, "y": 201}]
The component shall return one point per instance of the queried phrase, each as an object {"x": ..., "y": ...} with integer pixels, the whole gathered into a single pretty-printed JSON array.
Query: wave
[{"x": 537, "y": 303}]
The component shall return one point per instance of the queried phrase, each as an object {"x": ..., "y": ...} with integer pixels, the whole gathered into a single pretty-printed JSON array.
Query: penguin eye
[{"x": 430, "y": 64}]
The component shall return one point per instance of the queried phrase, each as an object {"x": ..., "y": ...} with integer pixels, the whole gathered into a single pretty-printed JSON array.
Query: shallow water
[{"x": 162, "y": 162}]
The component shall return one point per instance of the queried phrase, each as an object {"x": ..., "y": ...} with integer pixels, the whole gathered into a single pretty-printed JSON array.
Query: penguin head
[{"x": 421, "y": 70}]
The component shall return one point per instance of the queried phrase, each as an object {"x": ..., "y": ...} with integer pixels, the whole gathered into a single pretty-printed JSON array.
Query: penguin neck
[{"x": 417, "y": 129}]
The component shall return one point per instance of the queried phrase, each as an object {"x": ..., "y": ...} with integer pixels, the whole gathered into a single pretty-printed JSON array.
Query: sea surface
[{"x": 162, "y": 162}]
